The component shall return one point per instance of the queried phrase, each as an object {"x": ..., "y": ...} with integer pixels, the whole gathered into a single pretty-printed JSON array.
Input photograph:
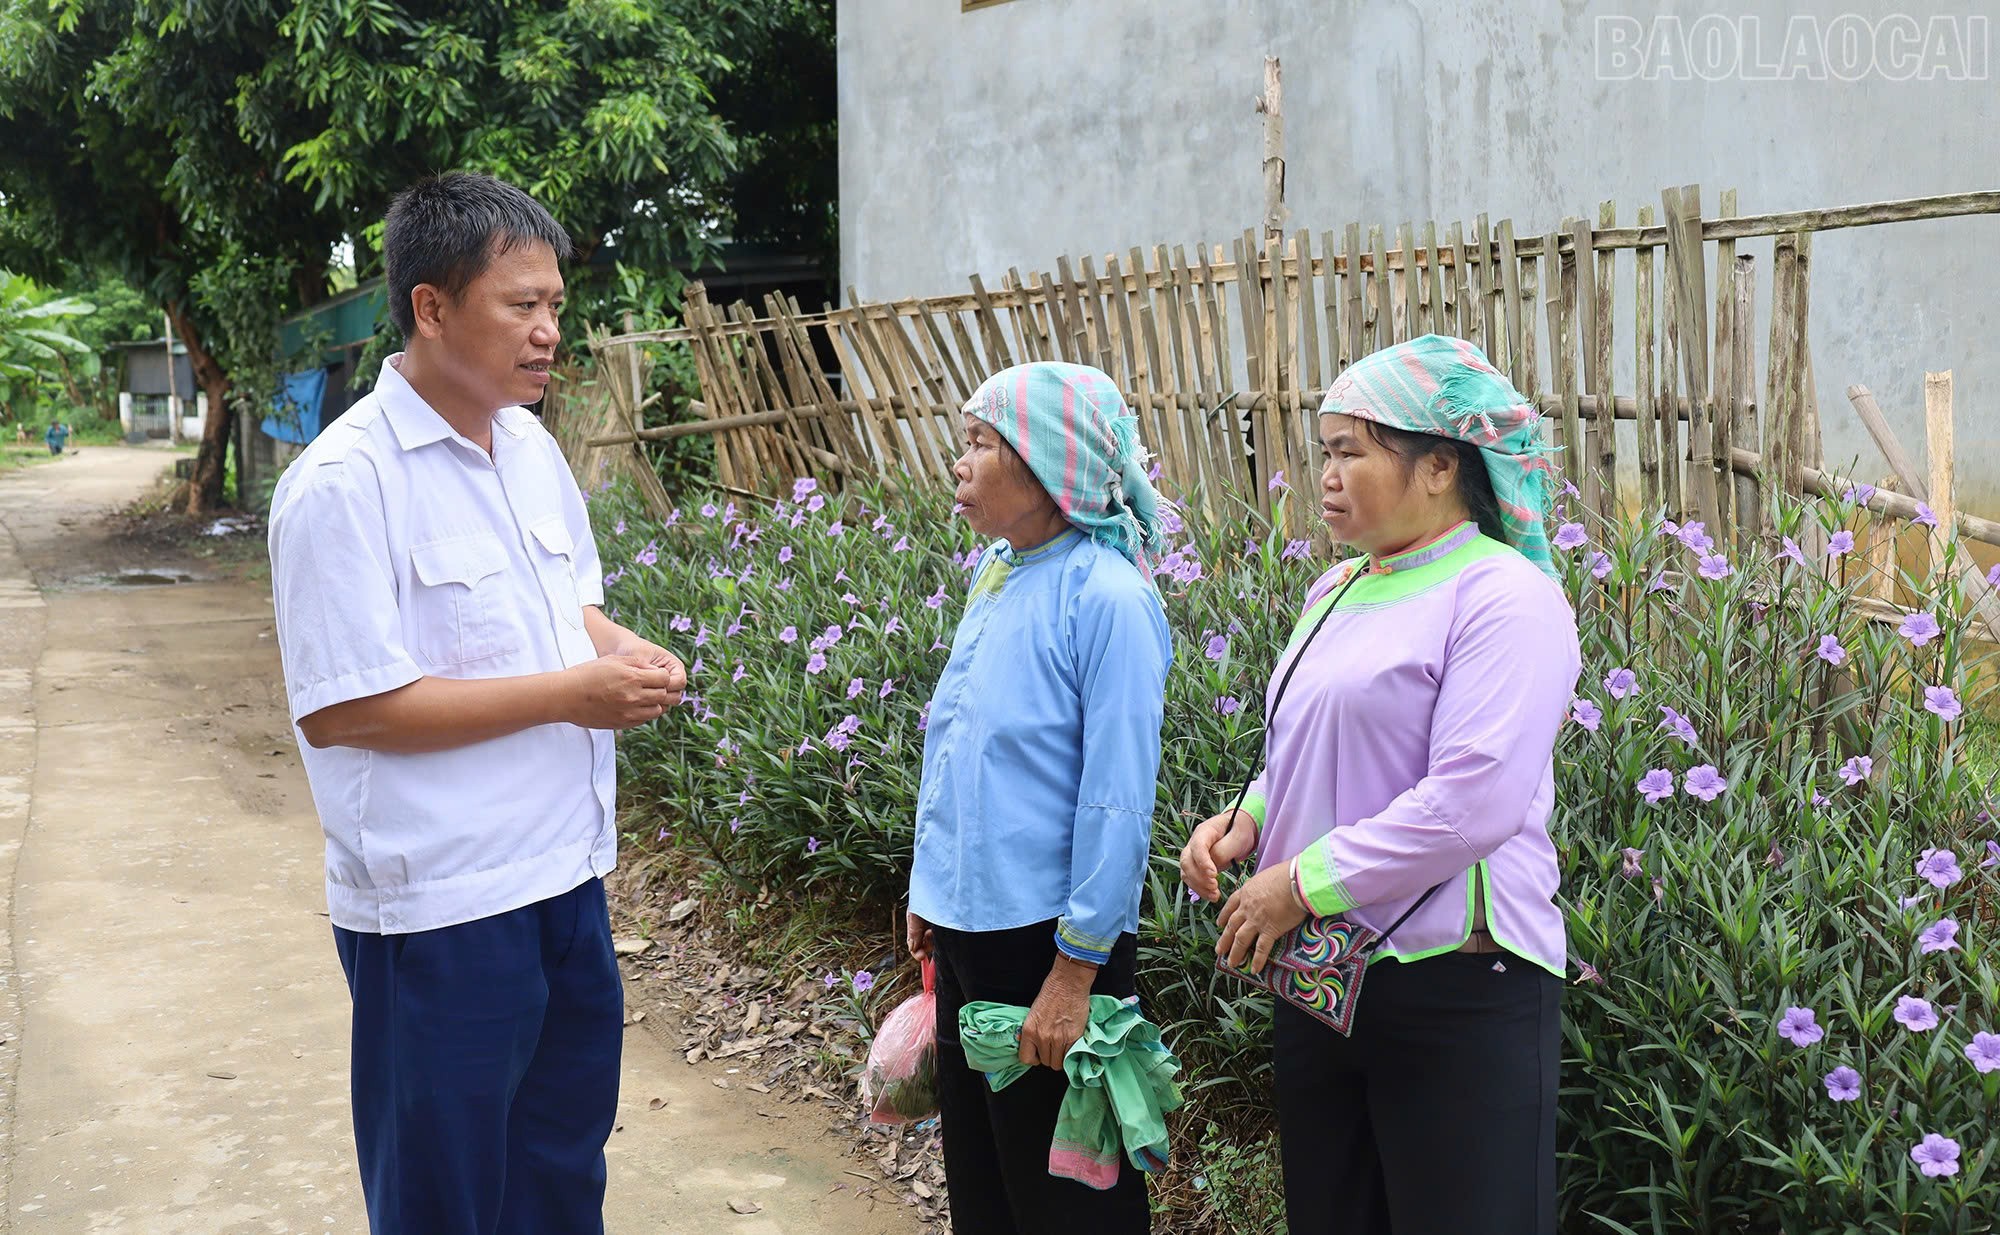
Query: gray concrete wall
[{"x": 1011, "y": 134}]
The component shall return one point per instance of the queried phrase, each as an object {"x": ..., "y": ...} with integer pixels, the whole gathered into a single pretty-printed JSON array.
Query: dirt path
[{"x": 173, "y": 1025}]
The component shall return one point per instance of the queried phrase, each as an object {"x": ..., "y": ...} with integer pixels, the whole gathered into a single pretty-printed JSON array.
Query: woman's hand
[
  {"x": 917, "y": 933},
  {"x": 1257, "y": 916},
  {"x": 1059, "y": 1015},
  {"x": 1217, "y": 842}
]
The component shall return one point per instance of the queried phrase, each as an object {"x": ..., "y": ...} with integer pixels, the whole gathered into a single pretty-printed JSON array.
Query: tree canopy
[{"x": 217, "y": 151}]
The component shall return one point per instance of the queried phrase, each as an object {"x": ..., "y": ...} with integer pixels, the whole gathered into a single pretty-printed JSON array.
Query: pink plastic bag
[{"x": 900, "y": 1083}]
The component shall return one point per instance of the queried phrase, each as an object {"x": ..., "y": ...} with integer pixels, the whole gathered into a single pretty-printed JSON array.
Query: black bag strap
[{"x": 1270, "y": 715}]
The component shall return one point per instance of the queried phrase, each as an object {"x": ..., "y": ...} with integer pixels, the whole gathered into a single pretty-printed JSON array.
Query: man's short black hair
[{"x": 445, "y": 229}]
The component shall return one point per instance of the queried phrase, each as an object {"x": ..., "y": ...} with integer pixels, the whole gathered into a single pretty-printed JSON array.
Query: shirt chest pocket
[
  {"x": 460, "y": 605},
  {"x": 555, "y": 564}
]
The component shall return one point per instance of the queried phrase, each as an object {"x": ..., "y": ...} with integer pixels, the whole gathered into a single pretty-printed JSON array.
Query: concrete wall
[{"x": 1011, "y": 134}]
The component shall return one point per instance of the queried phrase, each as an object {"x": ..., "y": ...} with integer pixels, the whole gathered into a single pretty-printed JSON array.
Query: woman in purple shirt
[{"x": 1410, "y": 764}]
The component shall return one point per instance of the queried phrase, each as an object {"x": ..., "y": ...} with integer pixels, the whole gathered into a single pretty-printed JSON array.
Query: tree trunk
[{"x": 205, "y": 490}]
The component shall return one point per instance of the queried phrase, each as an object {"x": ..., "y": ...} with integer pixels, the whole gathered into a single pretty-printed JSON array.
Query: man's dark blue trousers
[{"x": 485, "y": 1070}]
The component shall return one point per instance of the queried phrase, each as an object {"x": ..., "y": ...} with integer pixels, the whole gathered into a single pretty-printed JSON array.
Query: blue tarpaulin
[{"x": 296, "y": 406}]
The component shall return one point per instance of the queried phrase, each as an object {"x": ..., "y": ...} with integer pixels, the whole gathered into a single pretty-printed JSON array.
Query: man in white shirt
[{"x": 455, "y": 683}]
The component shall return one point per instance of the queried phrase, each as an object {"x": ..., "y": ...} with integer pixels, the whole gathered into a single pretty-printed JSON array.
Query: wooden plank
[
  {"x": 1281, "y": 409},
  {"x": 1308, "y": 307},
  {"x": 872, "y": 395},
  {"x": 1381, "y": 305},
  {"x": 1778, "y": 383},
  {"x": 1257, "y": 364},
  {"x": 1643, "y": 342},
  {"x": 1938, "y": 435},
  {"x": 1158, "y": 323},
  {"x": 1354, "y": 343},
  {"x": 1485, "y": 307},
  {"x": 1332, "y": 289},
  {"x": 1409, "y": 322},
  {"x": 1227, "y": 450},
  {"x": 1461, "y": 310},
  {"x": 1439, "y": 317},
  {"x": 1795, "y": 448},
  {"x": 1825, "y": 484},
  {"x": 1684, "y": 251},
  {"x": 1580, "y": 305},
  {"x": 1094, "y": 310},
  {"x": 1561, "y": 297},
  {"x": 1606, "y": 456},
  {"x": 1751, "y": 518},
  {"x": 1530, "y": 287},
  {"x": 1722, "y": 378},
  {"x": 1672, "y": 488},
  {"x": 1509, "y": 285}
]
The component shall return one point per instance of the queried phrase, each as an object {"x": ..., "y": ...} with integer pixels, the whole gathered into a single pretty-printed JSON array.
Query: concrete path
[{"x": 174, "y": 1021}]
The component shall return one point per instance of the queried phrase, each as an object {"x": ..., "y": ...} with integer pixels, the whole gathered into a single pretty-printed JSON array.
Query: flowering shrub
[{"x": 1779, "y": 877}]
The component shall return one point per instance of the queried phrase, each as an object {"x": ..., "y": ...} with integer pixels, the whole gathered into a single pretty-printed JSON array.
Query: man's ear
[{"x": 428, "y": 303}]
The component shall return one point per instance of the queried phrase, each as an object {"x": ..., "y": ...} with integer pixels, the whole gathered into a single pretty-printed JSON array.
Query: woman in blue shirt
[{"x": 1036, "y": 809}]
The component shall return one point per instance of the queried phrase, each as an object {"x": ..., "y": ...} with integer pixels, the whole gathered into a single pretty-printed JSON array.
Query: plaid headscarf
[
  {"x": 1070, "y": 426},
  {"x": 1446, "y": 387}
]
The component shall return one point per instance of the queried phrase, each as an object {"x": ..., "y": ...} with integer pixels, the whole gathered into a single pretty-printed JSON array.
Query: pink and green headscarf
[
  {"x": 1446, "y": 387},
  {"x": 1071, "y": 427}
]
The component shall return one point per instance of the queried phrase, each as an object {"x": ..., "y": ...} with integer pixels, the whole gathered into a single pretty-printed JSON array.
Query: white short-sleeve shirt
[{"x": 400, "y": 550}]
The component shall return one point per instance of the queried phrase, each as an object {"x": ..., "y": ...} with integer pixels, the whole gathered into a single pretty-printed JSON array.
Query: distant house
[{"x": 157, "y": 396}]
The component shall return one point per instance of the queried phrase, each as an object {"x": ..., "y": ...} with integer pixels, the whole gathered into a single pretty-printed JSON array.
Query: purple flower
[
  {"x": 1296, "y": 551},
  {"x": 1621, "y": 682},
  {"x": 735, "y": 824},
  {"x": 1984, "y": 1051},
  {"x": 1800, "y": 1027},
  {"x": 864, "y": 982},
  {"x": 818, "y": 501},
  {"x": 784, "y": 554},
  {"x": 1570, "y": 535},
  {"x": 1820, "y": 799},
  {"x": 1704, "y": 782},
  {"x": 1993, "y": 578},
  {"x": 893, "y": 625},
  {"x": 1842, "y": 543},
  {"x": 785, "y": 584},
  {"x": 1277, "y": 482},
  {"x": 1170, "y": 522},
  {"x": 812, "y": 844},
  {"x": 1939, "y": 868},
  {"x": 888, "y": 688},
  {"x": 831, "y": 979},
  {"x": 831, "y": 635},
  {"x": 1925, "y": 516},
  {"x": 1916, "y": 1015},
  {"x": 1935, "y": 1155},
  {"x": 701, "y": 636},
  {"x": 1657, "y": 785},
  {"x": 1585, "y": 713},
  {"x": 708, "y": 510},
  {"x": 789, "y": 634},
  {"x": 936, "y": 599},
  {"x": 618, "y": 528},
  {"x": 1668, "y": 527},
  {"x": 1658, "y": 583},
  {"x": 836, "y": 528},
  {"x": 1843, "y": 1084},
  {"x": 1856, "y": 770},
  {"x": 648, "y": 555},
  {"x": 924, "y": 718},
  {"x": 1830, "y": 650},
  {"x": 1673, "y": 722},
  {"x": 737, "y": 676},
  {"x": 816, "y": 663},
  {"x": 1860, "y": 495},
  {"x": 1911, "y": 902},
  {"x": 1630, "y": 867},
  {"x": 1695, "y": 536},
  {"x": 1992, "y": 855},
  {"x": 695, "y": 668},
  {"x": 1714, "y": 566},
  {"x": 1920, "y": 628},
  {"x": 855, "y": 687},
  {"x": 1600, "y": 563},
  {"x": 802, "y": 486},
  {"x": 1791, "y": 552},
  {"x": 1939, "y": 936},
  {"x": 902, "y": 545},
  {"x": 1218, "y": 646},
  {"x": 1227, "y": 705},
  {"x": 1587, "y": 972},
  {"x": 1943, "y": 701}
]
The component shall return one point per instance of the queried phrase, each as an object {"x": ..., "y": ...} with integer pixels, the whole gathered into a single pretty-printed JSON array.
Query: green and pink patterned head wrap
[
  {"x": 1071, "y": 427},
  {"x": 1446, "y": 387}
]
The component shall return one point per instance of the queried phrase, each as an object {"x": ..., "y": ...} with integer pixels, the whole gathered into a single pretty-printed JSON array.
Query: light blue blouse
[{"x": 1043, "y": 751}]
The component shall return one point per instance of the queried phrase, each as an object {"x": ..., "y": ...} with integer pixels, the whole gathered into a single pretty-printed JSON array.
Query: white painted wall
[{"x": 1011, "y": 134}]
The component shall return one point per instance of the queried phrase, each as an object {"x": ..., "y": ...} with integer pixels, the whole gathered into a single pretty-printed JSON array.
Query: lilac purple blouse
[{"x": 1414, "y": 747}]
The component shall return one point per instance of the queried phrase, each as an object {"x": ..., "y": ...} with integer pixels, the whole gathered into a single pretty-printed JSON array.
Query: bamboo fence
[{"x": 1225, "y": 350}]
